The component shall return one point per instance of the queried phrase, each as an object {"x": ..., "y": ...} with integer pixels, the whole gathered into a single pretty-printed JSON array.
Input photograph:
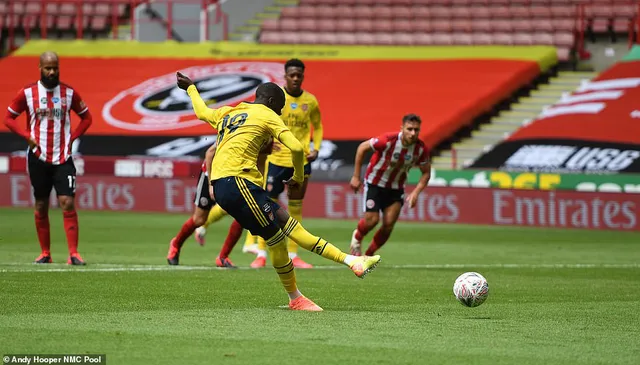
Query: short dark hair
[
  {"x": 411, "y": 118},
  {"x": 269, "y": 90},
  {"x": 294, "y": 62}
]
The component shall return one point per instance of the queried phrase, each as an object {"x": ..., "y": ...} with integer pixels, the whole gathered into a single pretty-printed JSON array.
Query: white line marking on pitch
[{"x": 23, "y": 267}]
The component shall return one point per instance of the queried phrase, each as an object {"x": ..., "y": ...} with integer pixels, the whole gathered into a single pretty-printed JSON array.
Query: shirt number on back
[{"x": 230, "y": 124}]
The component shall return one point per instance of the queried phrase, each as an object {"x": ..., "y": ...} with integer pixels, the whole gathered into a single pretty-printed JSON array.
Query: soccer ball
[{"x": 471, "y": 289}]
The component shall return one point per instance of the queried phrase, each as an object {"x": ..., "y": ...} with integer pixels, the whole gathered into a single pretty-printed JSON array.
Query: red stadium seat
[
  {"x": 270, "y": 37},
  {"x": 365, "y": 38},
  {"x": 345, "y": 25},
  {"x": 344, "y": 12},
  {"x": 540, "y": 12},
  {"x": 346, "y": 38},
  {"x": 442, "y": 39},
  {"x": 482, "y": 3},
  {"x": 502, "y": 39},
  {"x": 364, "y": 25},
  {"x": 382, "y": 26},
  {"x": 402, "y": 39},
  {"x": 564, "y": 11},
  {"x": 422, "y": 26},
  {"x": 288, "y": 24},
  {"x": 461, "y": 13},
  {"x": 307, "y": 25},
  {"x": 441, "y": 26},
  {"x": 424, "y": 39},
  {"x": 19, "y": 8},
  {"x": 522, "y": 39},
  {"x": 481, "y": 13},
  {"x": 481, "y": 26},
  {"x": 382, "y": 12},
  {"x": 543, "y": 39},
  {"x": 458, "y": 3},
  {"x": 402, "y": 2},
  {"x": 290, "y": 37},
  {"x": 327, "y": 38},
  {"x": 564, "y": 39},
  {"x": 502, "y": 26},
  {"x": 326, "y": 12},
  {"x": 543, "y": 25},
  {"x": 624, "y": 11},
  {"x": 481, "y": 39},
  {"x": 383, "y": 39},
  {"x": 365, "y": 2},
  {"x": 64, "y": 22},
  {"x": 564, "y": 24},
  {"x": 401, "y": 12},
  {"x": 326, "y": 25},
  {"x": 461, "y": 26},
  {"x": 99, "y": 23},
  {"x": 500, "y": 13},
  {"x": 623, "y": 25},
  {"x": 31, "y": 8},
  {"x": 68, "y": 9},
  {"x": 438, "y": 12},
  {"x": 297, "y": 12},
  {"x": 519, "y": 12},
  {"x": 462, "y": 39},
  {"x": 421, "y": 12},
  {"x": 363, "y": 12},
  {"x": 102, "y": 9},
  {"x": 270, "y": 24},
  {"x": 402, "y": 26},
  {"x": 522, "y": 25}
]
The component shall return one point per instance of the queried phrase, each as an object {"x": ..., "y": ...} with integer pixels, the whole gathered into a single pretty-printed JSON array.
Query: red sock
[
  {"x": 379, "y": 239},
  {"x": 187, "y": 230},
  {"x": 42, "y": 229},
  {"x": 362, "y": 230},
  {"x": 235, "y": 232},
  {"x": 71, "y": 229}
]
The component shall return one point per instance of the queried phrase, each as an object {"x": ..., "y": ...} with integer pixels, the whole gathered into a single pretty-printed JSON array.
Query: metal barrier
[{"x": 78, "y": 17}]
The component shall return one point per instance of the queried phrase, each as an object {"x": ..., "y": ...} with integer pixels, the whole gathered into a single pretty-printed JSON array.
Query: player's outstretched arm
[
  {"x": 297, "y": 154},
  {"x": 357, "y": 169},
  {"x": 203, "y": 112},
  {"x": 317, "y": 134}
]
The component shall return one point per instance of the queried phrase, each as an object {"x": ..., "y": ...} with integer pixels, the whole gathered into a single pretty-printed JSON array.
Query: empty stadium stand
[{"x": 560, "y": 23}]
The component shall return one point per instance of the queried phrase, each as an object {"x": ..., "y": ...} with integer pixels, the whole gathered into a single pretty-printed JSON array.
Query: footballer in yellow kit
[
  {"x": 301, "y": 114},
  {"x": 243, "y": 131}
]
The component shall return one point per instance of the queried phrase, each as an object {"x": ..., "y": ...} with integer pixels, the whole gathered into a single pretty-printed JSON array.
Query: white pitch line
[{"x": 133, "y": 268}]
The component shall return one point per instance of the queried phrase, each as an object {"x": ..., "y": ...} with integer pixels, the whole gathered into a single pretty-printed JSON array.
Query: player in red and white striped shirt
[
  {"x": 48, "y": 104},
  {"x": 394, "y": 154}
]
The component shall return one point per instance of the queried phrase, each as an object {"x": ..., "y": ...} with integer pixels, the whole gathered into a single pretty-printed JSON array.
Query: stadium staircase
[
  {"x": 500, "y": 126},
  {"x": 250, "y": 30}
]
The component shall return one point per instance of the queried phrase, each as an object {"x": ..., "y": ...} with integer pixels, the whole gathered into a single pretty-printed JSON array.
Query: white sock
[
  {"x": 262, "y": 253},
  {"x": 292, "y": 255},
  {"x": 294, "y": 295},
  {"x": 349, "y": 259}
]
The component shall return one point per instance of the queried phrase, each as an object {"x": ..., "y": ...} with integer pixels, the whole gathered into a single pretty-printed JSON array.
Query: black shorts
[
  {"x": 249, "y": 204},
  {"x": 377, "y": 198},
  {"x": 277, "y": 174},
  {"x": 45, "y": 176},
  {"x": 203, "y": 199}
]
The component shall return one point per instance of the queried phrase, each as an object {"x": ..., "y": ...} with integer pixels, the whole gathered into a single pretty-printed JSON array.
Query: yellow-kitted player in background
[{"x": 300, "y": 114}]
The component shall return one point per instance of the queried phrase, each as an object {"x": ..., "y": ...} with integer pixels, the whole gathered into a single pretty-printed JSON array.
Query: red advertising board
[
  {"x": 595, "y": 129},
  {"x": 614, "y": 211},
  {"x": 358, "y": 99}
]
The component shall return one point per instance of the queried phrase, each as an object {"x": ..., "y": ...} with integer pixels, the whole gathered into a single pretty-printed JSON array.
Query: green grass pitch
[{"x": 556, "y": 297}]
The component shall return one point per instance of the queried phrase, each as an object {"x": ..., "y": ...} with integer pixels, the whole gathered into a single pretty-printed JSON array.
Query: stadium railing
[{"x": 76, "y": 18}]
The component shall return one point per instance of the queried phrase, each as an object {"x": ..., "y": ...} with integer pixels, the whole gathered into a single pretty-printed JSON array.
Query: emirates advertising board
[
  {"x": 489, "y": 206},
  {"x": 594, "y": 129}
]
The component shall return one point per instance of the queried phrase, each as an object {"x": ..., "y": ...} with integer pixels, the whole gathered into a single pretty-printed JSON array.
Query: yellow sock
[
  {"x": 250, "y": 239},
  {"x": 306, "y": 240},
  {"x": 215, "y": 214},
  {"x": 295, "y": 211},
  {"x": 281, "y": 262}
]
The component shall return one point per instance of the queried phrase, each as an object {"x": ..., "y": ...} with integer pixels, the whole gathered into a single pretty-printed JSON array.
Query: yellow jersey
[
  {"x": 299, "y": 114},
  {"x": 243, "y": 131}
]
